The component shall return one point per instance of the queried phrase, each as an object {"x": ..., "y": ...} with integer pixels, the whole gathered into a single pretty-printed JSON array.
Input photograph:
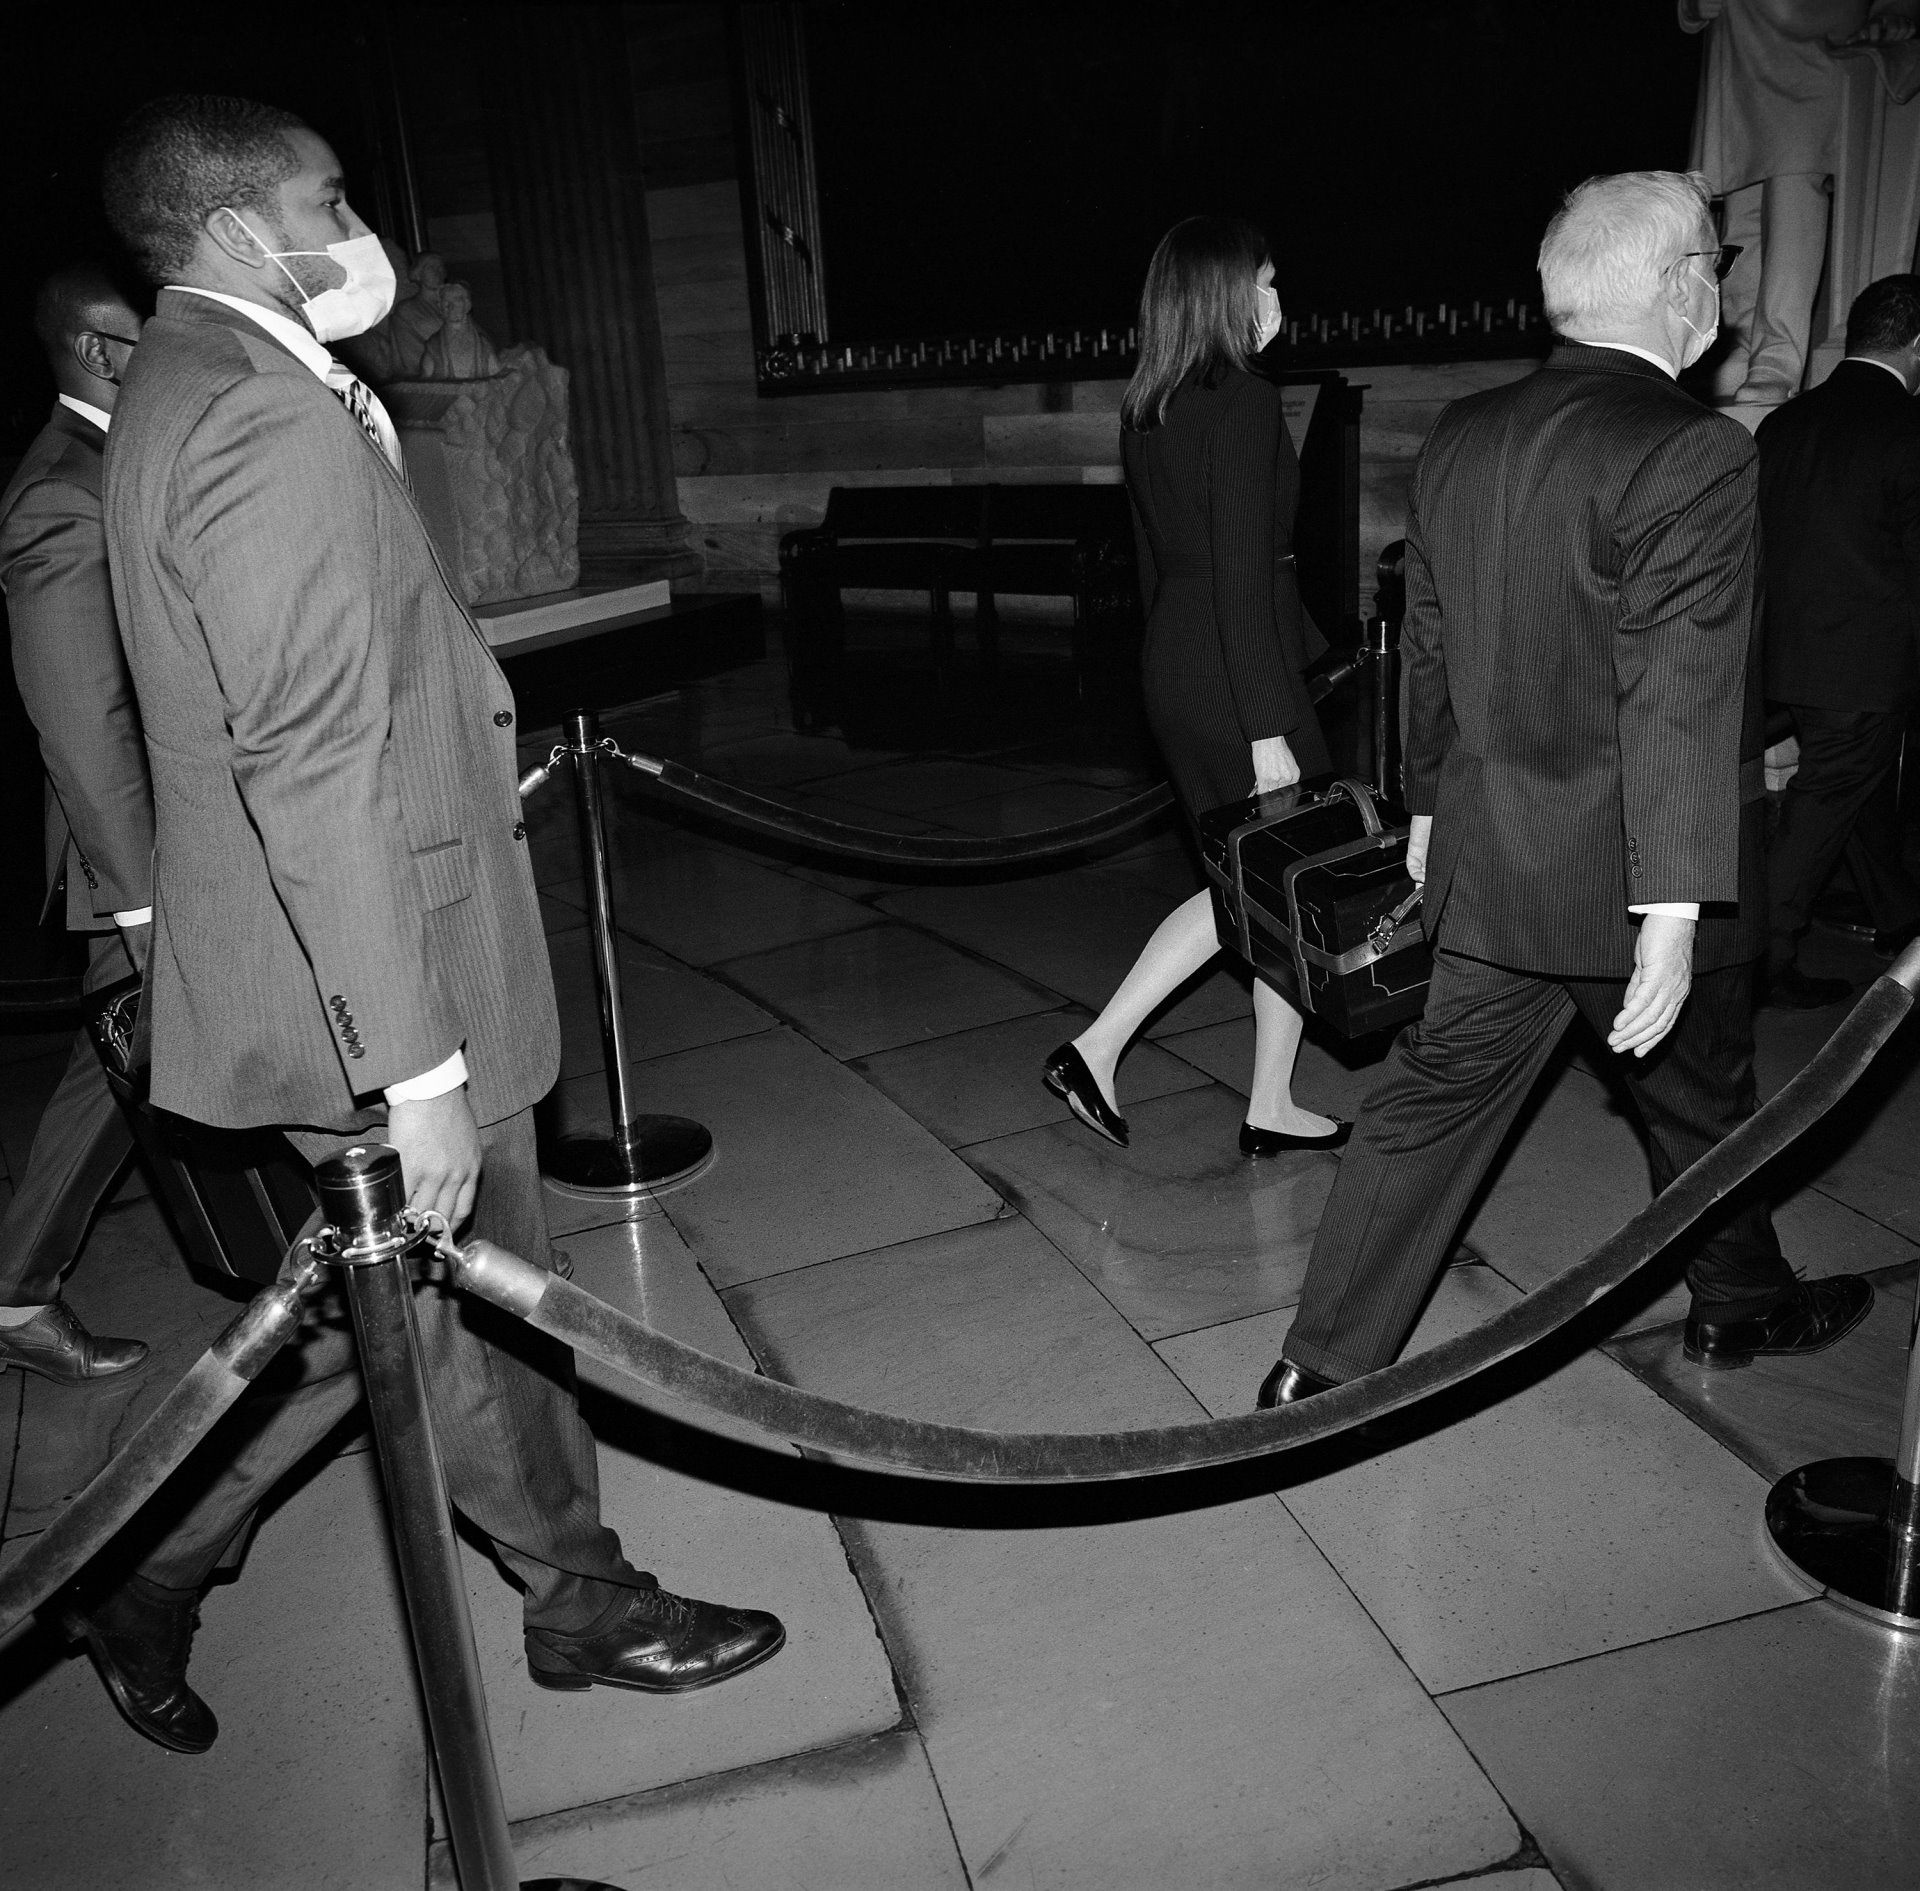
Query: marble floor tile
[
  {"x": 979, "y": 1084},
  {"x": 1178, "y": 1230},
  {"x": 862, "y": 1817},
  {"x": 671, "y": 1494},
  {"x": 1778, "y": 1413},
  {"x": 778, "y": 760},
  {"x": 1862, "y": 1153},
  {"x": 704, "y": 906},
  {"x": 1774, "y": 1754},
  {"x": 130, "y": 1281},
  {"x": 855, "y": 993},
  {"x": 1030, "y": 809},
  {"x": 1552, "y": 1512},
  {"x": 1077, "y": 932},
  {"x": 1085, "y": 1672},
  {"x": 1329, "y": 1076},
  {"x": 666, "y": 1007},
  {"x": 915, "y": 787},
  {"x": 825, "y": 801},
  {"x": 319, "y": 1779},
  {"x": 812, "y": 1161}
]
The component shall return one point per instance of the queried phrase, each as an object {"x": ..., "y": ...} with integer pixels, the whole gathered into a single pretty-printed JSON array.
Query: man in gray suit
[
  {"x": 345, "y": 934},
  {"x": 99, "y": 812},
  {"x": 1584, "y": 729}
]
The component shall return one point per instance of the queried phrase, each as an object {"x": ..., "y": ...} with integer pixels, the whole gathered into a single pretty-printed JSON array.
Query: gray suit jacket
[
  {"x": 1581, "y": 667},
  {"x": 342, "y": 893},
  {"x": 73, "y": 676}
]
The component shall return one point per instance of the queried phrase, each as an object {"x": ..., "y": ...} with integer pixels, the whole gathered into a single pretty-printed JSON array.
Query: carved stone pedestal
[{"x": 493, "y": 473}]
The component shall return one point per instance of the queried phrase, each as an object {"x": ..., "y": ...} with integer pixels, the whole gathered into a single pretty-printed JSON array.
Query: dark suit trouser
[
  {"x": 1450, "y": 1090},
  {"x": 82, "y": 1140},
  {"x": 1832, "y": 808},
  {"x": 519, "y": 1458}
]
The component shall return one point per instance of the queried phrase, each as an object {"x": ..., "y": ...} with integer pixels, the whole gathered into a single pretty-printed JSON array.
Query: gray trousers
[
  {"x": 82, "y": 1140},
  {"x": 519, "y": 1458},
  {"x": 1450, "y": 1089}
]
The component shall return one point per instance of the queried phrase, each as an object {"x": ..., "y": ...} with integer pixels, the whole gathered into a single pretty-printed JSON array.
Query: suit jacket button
[
  {"x": 519, "y": 830},
  {"x": 502, "y": 717}
]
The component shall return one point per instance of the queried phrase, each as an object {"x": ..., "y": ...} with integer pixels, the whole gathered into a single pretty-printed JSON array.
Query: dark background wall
[{"x": 1011, "y": 166}]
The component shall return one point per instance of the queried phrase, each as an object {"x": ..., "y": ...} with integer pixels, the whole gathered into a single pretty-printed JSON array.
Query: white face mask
[
  {"x": 1266, "y": 320},
  {"x": 357, "y": 304},
  {"x": 1703, "y": 339}
]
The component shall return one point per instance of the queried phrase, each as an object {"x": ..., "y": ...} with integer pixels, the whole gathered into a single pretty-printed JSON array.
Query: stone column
[{"x": 563, "y": 146}]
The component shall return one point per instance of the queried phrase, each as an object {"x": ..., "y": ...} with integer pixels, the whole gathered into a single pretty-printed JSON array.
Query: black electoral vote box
[{"x": 1312, "y": 890}]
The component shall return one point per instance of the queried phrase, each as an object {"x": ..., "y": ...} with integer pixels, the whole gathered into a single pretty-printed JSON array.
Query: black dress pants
[
  {"x": 1453, "y": 1084},
  {"x": 82, "y": 1140},
  {"x": 1831, "y": 808},
  {"x": 519, "y": 1458}
]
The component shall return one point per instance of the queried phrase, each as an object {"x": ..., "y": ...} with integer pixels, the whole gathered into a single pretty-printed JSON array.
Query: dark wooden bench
[{"x": 988, "y": 540}]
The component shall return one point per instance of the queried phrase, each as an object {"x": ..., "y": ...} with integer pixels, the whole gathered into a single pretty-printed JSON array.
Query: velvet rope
[
  {"x": 847, "y": 842},
  {"x": 961, "y": 1452}
]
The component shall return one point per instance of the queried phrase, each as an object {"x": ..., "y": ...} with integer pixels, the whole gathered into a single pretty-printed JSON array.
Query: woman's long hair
[{"x": 1197, "y": 311}]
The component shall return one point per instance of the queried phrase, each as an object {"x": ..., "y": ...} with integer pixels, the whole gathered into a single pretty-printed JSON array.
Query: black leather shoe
[
  {"x": 1794, "y": 990},
  {"x": 56, "y": 1346},
  {"x": 1809, "y": 1319},
  {"x": 1065, "y": 1073},
  {"x": 139, "y": 1638},
  {"x": 1273, "y": 1142},
  {"x": 662, "y": 1644},
  {"x": 1288, "y": 1384},
  {"x": 1889, "y": 945}
]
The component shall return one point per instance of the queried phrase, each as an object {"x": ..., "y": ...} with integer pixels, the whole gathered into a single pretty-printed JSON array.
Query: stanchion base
[
  {"x": 1828, "y": 1521},
  {"x": 664, "y": 1152}
]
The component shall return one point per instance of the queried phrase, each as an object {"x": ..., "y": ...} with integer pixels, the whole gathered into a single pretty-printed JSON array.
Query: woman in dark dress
[{"x": 1214, "y": 484}]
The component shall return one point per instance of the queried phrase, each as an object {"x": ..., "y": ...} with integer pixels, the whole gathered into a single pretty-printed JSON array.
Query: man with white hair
[{"x": 1583, "y": 731}]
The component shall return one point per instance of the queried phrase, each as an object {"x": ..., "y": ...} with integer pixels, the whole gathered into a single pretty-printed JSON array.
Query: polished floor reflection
[{"x": 1527, "y": 1636}]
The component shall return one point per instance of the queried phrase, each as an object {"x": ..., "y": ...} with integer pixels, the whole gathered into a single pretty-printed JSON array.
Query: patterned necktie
[{"x": 364, "y": 405}]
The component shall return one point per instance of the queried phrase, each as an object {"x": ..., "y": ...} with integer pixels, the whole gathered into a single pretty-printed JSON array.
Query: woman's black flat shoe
[
  {"x": 1067, "y": 1076},
  {"x": 1273, "y": 1142}
]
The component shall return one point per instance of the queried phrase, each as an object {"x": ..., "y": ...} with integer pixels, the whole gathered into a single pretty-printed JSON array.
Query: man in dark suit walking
[
  {"x": 344, "y": 917},
  {"x": 1840, "y": 520},
  {"x": 99, "y": 811},
  {"x": 1583, "y": 741}
]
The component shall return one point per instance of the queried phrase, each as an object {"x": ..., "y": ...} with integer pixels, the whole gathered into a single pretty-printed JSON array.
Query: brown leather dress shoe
[
  {"x": 661, "y": 1644},
  {"x": 1287, "y": 1384},
  {"x": 1810, "y": 1318},
  {"x": 56, "y": 1346},
  {"x": 139, "y": 1638}
]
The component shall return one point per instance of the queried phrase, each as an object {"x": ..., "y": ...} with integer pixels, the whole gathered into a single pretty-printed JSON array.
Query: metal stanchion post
[
  {"x": 1383, "y": 647},
  {"x": 363, "y": 1194},
  {"x": 1853, "y": 1524},
  {"x": 643, "y": 1154}
]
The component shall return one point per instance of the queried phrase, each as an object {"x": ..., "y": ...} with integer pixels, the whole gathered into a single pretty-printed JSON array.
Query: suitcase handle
[{"x": 1362, "y": 798}]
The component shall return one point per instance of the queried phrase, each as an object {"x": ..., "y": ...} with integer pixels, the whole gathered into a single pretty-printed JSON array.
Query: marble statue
[
  {"x": 1806, "y": 106},
  {"x": 419, "y": 315},
  {"x": 459, "y": 350}
]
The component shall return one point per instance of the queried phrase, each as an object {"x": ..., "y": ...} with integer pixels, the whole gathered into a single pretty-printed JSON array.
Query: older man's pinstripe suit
[
  {"x": 1581, "y": 693},
  {"x": 341, "y": 897}
]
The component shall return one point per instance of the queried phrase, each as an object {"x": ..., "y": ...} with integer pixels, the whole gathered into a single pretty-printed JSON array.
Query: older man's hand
[{"x": 1662, "y": 977}]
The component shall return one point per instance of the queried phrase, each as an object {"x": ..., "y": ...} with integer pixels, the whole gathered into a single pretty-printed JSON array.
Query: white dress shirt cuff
[
  {"x": 1670, "y": 909},
  {"x": 432, "y": 1083},
  {"x": 144, "y": 917}
]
